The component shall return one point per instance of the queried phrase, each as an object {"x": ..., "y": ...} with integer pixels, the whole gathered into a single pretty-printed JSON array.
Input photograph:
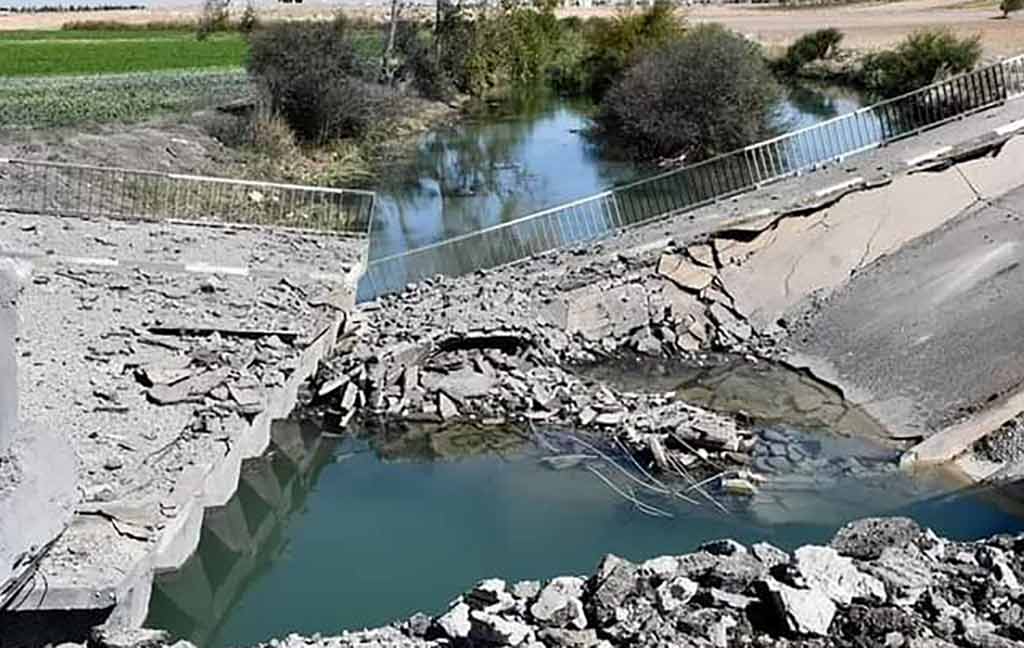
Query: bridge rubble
[{"x": 162, "y": 353}]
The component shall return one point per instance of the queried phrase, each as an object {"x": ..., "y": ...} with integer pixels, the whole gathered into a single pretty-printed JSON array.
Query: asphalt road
[{"x": 933, "y": 331}]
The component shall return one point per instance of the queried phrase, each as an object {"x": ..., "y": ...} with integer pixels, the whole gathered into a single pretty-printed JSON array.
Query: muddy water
[{"x": 331, "y": 534}]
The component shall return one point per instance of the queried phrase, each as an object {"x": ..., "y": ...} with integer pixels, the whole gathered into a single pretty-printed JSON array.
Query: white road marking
[
  {"x": 216, "y": 269},
  {"x": 852, "y": 182},
  {"x": 931, "y": 155},
  {"x": 1012, "y": 127},
  {"x": 96, "y": 261}
]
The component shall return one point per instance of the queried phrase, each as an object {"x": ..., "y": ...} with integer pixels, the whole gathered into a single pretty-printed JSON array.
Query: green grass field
[{"x": 39, "y": 53}]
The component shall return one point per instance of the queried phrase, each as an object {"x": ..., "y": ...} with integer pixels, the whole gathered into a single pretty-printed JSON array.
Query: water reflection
[
  {"x": 324, "y": 536},
  {"x": 517, "y": 158}
]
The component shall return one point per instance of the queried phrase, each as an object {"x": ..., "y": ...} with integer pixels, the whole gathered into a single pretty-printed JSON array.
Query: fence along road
[
  {"x": 700, "y": 184},
  {"x": 60, "y": 189}
]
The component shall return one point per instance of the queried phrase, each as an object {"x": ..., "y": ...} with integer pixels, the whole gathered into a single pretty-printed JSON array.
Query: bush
[
  {"x": 214, "y": 18},
  {"x": 923, "y": 58},
  {"x": 249, "y": 21},
  {"x": 814, "y": 46},
  {"x": 314, "y": 79},
  {"x": 1010, "y": 6},
  {"x": 616, "y": 43},
  {"x": 705, "y": 94}
]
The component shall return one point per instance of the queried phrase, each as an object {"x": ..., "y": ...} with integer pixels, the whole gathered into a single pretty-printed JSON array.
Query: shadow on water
[{"x": 328, "y": 535}]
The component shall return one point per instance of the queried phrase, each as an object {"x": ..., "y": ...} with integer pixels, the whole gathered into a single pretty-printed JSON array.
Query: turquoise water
[{"x": 343, "y": 534}]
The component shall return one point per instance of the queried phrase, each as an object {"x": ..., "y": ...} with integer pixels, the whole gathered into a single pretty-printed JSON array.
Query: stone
[
  {"x": 526, "y": 590},
  {"x": 674, "y": 594},
  {"x": 769, "y": 555},
  {"x": 723, "y": 599},
  {"x": 800, "y": 611},
  {"x": 660, "y": 568},
  {"x": 466, "y": 383},
  {"x": 130, "y": 638},
  {"x": 866, "y": 539},
  {"x": 904, "y": 571},
  {"x": 998, "y": 564},
  {"x": 487, "y": 593},
  {"x": 587, "y": 416},
  {"x": 685, "y": 274},
  {"x": 558, "y": 604},
  {"x": 455, "y": 622},
  {"x": 494, "y": 629},
  {"x": 822, "y": 568},
  {"x": 724, "y": 547},
  {"x": 614, "y": 581},
  {"x": 562, "y": 638},
  {"x": 446, "y": 407},
  {"x": 736, "y": 486},
  {"x": 610, "y": 418}
]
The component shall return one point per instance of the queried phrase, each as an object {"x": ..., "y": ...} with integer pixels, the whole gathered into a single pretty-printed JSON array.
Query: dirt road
[{"x": 867, "y": 25}]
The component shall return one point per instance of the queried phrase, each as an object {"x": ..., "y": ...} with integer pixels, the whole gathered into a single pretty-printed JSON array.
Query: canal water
[
  {"x": 511, "y": 159},
  {"x": 331, "y": 534}
]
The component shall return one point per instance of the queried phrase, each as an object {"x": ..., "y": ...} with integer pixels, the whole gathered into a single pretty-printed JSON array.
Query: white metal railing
[
  {"x": 697, "y": 185},
  {"x": 37, "y": 187}
]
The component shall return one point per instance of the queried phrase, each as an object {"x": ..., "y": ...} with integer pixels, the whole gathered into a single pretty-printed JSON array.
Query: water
[
  {"x": 512, "y": 159},
  {"x": 326, "y": 535}
]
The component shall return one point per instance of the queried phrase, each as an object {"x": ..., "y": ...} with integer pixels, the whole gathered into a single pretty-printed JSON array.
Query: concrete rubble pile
[{"x": 880, "y": 582}]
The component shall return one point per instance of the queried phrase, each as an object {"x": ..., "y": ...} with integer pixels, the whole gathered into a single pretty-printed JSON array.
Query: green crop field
[{"x": 112, "y": 52}]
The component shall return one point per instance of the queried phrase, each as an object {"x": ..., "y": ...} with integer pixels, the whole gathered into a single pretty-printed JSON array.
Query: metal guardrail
[
  {"x": 700, "y": 184},
  {"x": 61, "y": 189}
]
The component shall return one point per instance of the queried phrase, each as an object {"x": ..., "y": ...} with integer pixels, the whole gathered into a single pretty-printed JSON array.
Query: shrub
[
  {"x": 314, "y": 79},
  {"x": 616, "y": 43},
  {"x": 923, "y": 58},
  {"x": 810, "y": 47},
  {"x": 1010, "y": 6},
  {"x": 704, "y": 94},
  {"x": 249, "y": 21},
  {"x": 213, "y": 18}
]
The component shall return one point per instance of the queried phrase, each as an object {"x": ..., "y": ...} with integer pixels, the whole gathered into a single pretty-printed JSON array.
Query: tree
[
  {"x": 923, "y": 58},
  {"x": 1010, "y": 6},
  {"x": 707, "y": 93},
  {"x": 213, "y": 18}
]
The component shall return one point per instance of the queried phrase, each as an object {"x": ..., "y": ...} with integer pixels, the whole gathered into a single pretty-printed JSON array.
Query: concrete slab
[{"x": 932, "y": 331}]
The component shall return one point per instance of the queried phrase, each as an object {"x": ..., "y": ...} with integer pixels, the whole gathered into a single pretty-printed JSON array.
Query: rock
[
  {"x": 130, "y": 638},
  {"x": 822, "y": 568},
  {"x": 466, "y": 383},
  {"x": 446, "y": 407},
  {"x": 455, "y": 622},
  {"x": 562, "y": 638},
  {"x": 494, "y": 629},
  {"x": 800, "y": 611},
  {"x": 725, "y": 547},
  {"x": 587, "y": 416},
  {"x": 866, "y": 539},
  {"x": 559, "y": 604},
  {"x": 737, "y": 486},
  {"x": 769, "y": 554},
  {"x": 610, "y": 418},
  {"x": 723, "y": 599},
  {"x": 684, "y": 274},
  {"x": 490, "y": 595},
  {"x": 615, "y": 580},
  {"x": 674, "y": 594},
  {"x": 526, "y": 590},
  {"x": 659, "y": 569},
  {"x": 905, "y": 573},
  {"x": 1002, "y": 573}
]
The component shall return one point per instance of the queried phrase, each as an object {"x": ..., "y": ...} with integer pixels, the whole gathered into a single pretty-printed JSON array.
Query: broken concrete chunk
[
  {"x": 193, "y": 388},
  {"x": 446, "y": 407},
  {"x": 250, "y": 399},
  {"x": 559, "y": 604},
  {"x": 465, "y": 384},
  {"x": 455, "y": 622},
  {"x": 685, "y": 274},
  {"x": 836, "y": 576},
  {"x": 737, "y": 486},
  {"x": 702, "y": 254},
  {"x": 800, "y": 611},
  {"x": 332, "y": 385}
]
